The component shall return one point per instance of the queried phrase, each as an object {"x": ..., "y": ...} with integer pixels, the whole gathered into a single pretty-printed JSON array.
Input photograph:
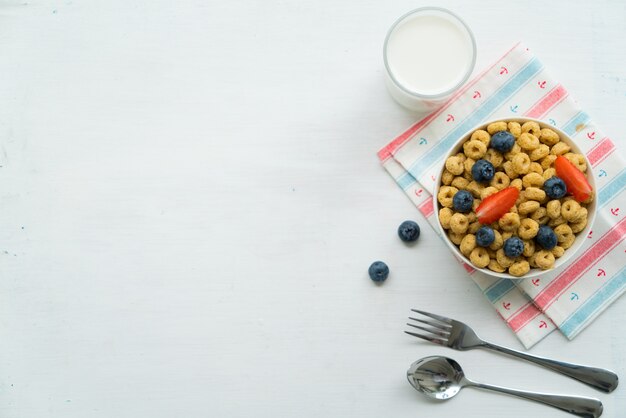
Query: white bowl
[{"x": 580, "y": 237}]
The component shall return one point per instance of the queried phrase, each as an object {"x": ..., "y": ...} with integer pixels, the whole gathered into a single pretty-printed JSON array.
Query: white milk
[{"x": 429, "y": 53}]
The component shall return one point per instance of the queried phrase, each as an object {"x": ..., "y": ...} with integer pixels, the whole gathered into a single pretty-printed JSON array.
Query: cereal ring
[
  {"x": 528, "y": 207},
  {"x": 558, "y": 251},
  {"x": 517, "y": 183},
  {"x": 471, "y": 217},
  {"x": 521, "y": 163},
  {"x": 544, "y": 259},
  {"x": 474, "y": 188},
  {"x": 509, "y": 170},
  {"x": 557, "y": 221},
  {"x": 548, "y": 137},
  {"x": 492, "y": 128},
  {"x": 494, "y": 157},
  {"x": 445, "y": 195},
  {"x": 502, "y": 258},
  {"x": 528, "y": 142},
  {"x": 538, "y": 153},
  {"x": 459, "y": 223},
  {"x": 535, "y": 167},
  {"x": 554, "y": 208},
  {"x": 519, "y": 268},
  {"x": 462, "y": 156},
  {"x": 482, "y": 136},
  {"x": 479, "y": 257},
  {"x": 529, "y": 248},
  {"x": 500, "y": 180},
  {"x": 506, "y": 235},
  {"x": 578, "y": 226},
  {"x": 560, "y": 148},
  {"x": 578, "y": 160},
  {"x": 468, "y": 243},
  {"x": 513, "y": 209},
  {"x": 468, "y": 176},
  {"x": 460, "y": 183},
  {"x": 445, "y": 214},
  {"x": 534, "y": 193},
  {"x": 532, "y": 180},
  {"x": 447, "y": 177},
  {"x": 527, "y": 229},
  {"x": 514, "y": 151},
  {"x": 509, "y": 222},
  {"x": 570, "y": 209},
  {"x": 495, "y": 266},
  {"x": 515, "y": 129},
  {"x": 521, "y": 198},
  {"x": 455, "y": 238},
  {"x": 474, "y": 227},
  {"x": 549, "y": 173},
  {"x": 468, "y": 164},
  {"x": 488, "y": 191},
  {"x": 540, "y": 216},
  {"x": 568, "y": 242},
  {"x": 547, "y": 161},
  {"x": 474, "y": 149},
  {"x": 532, "y": 127},
  {"x": 454, "y": 165},
  {"x": 497, "y": 242},
  {"x": 563, "y": 232}
]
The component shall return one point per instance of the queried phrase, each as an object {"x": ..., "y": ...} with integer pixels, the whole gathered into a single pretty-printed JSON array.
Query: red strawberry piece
[
  {"x": 495, "y": 206},
  {"x": 574, "y": 179}
]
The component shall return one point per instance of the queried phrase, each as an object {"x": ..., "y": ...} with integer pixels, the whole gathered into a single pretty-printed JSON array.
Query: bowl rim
[{"x": 580, "y": 237}]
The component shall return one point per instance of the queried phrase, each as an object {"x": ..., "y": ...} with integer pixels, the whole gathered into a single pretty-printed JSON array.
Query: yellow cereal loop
[
  {"x": 474, "y": 227},
  {"x": 531, "y": 260},
  {"x": 468, "y": 243},
  {"x": 445, "y": 195},
  {"x": 558, "y": 251},
  {"x": 494, "y": 157},
  {"x": 521, "y": 198},
  {"x": 528, "y": 142},
  {"x": 495, "y": 266},
  {"x": 488, "y": 191},
  {"x": 514, "y": 151},
  {"x": 563, "y": 232},
  {"x": 534, "y": 193},
  {"x": 532, "y": 127},
  {"x": 521, "y": 163},
  {"x": 467, "y": 176},
  {"x": 459, "y": 223},
  {"x": 554, "y": 208},
  {"x": 482, "y": 136},
  {"x": 535, "y": 167},
  {"x": 549, "y": 173},
  {"x": 532, "y": 180},
  {"x": 502, "y": 258},
  {"x": 505, "y": 235},
  {"x": 568, "y": 242},
  {"x": 479, "y": 257},
  {"x": 528, "y": 207},
  {"x": 509, "y": 222},
  {"x": 509, "y": 170},
  {"x": 515, "y": 129},
  {"x": 570, "y": 210},
  {"x": 527, "y": 229},
  {"x": 471, "y": 218},
  {"x": 447, "y": 177},
  {"x": 544, "y": 259},
  {"x": 557, "y": 221},
  {"x": 460, "y": 183},
  {"x": 578, "y": 226},
  {"x": 517, "y": 183},
  {"x": 559, "y": 148},
  {"x": 468, "y": 164},
  {"x": 497, "y": 242},
  {"x": 496, "y": 127},
  {"x": 547, "y": 161},
  {"x": 445, "y": 214},
  {"x": 474, "y": 150},
  {"x": 540, "y": 216},
  {"x": 455, "y": 238},
  {"x": 454, "y": 165},
  {"x": 578, "y": 160},
  {"x": 500, "y": 180},
  {"x": 529, "y": 248},
  {"x": 474, "y": 188},
  {"x": 519, "y": 268},
  {"x": 538, "y": 153},
  {"x": 549, "y": 137},
  {"x": 461, "y": 156}
]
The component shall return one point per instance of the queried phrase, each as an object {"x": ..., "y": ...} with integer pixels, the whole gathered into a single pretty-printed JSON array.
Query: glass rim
[{"x": 470, "y": 67}]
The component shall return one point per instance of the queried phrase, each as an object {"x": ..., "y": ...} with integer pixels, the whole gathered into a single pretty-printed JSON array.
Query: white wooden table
[{"x": 190, "y": 199}]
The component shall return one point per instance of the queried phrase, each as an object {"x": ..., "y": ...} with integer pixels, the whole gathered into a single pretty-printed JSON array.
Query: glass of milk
[{"x": 429, "y": 53}]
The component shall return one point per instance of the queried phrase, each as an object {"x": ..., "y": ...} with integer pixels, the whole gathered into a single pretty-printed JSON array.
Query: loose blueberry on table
[
  {"x": 378, "y": 271},
  {"x": 409, "y": 231}
]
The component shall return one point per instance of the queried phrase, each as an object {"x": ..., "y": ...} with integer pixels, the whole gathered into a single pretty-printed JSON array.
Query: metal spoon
[{"x": 442, "y": 378}]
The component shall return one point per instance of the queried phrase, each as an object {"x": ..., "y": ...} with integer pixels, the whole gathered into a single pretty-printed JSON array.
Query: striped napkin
[{"x": 569, "y": 298}]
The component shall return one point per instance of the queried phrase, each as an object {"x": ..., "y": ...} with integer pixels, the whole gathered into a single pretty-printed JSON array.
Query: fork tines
[{"x": 438, "y": 330}]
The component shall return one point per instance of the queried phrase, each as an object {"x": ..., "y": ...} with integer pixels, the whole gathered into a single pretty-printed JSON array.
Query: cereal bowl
[{"x": 530, "y": 211}]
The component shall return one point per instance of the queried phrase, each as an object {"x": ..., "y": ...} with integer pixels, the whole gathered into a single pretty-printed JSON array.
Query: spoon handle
[
  {"x": 577, "y": 405},
  {"x": 601, "y": 379}
]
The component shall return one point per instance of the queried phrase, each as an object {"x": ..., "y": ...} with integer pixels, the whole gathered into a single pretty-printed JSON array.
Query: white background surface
[{"x": 190, "y": 199}]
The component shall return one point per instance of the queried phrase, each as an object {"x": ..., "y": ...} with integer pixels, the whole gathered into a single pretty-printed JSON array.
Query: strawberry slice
[
  {"x": 574, "y": 179},
  {"x": 495, "y": 206}
]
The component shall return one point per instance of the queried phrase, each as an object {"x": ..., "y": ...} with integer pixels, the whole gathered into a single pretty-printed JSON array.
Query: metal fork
[{"x": 455, "y": 334}]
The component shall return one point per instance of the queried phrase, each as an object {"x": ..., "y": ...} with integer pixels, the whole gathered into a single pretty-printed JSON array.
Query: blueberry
[
  {"x": 513, "y": 247},
  {"x": 485, "y": 236},
  {"x": 502, "y": 141},
  {"x": 463, "y": 201},
  {"x": 555, "y": 187},
  {"x": 409, "y": 231},
  {"x": 483, "y": 171},
  {"x": 378, "y": 271},
  {"x": 546, "y": 237}
]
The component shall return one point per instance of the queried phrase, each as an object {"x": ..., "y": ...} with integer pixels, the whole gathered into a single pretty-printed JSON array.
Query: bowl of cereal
[{"x": 515, "y": 198}]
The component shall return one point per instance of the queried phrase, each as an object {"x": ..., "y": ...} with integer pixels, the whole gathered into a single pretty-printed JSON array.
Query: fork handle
[{"x": 601, "y": 379}]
